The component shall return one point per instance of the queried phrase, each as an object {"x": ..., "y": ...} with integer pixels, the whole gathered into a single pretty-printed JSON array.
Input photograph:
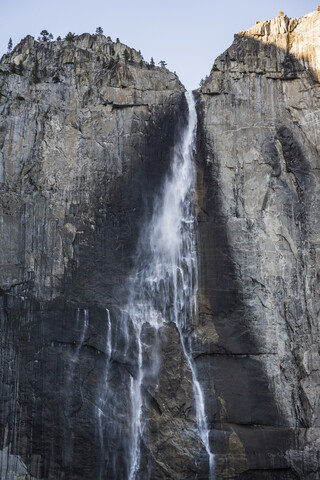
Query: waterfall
[{"x": 163, "y": 286}]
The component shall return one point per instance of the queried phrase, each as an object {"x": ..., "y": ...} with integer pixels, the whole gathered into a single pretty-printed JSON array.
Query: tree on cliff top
[
  {"x": 10, "y": 45},
  {"x": 70, "y": 37},
  {"x": 45, "y": 36},
  {"x": 99, "y": 31}
]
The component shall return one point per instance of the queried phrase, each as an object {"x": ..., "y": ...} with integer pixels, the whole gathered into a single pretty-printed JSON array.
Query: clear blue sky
[{"x": 187, "y": 35}]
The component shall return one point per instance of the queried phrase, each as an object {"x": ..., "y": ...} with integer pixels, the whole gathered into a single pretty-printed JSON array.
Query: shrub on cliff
[
  {"x": 99, "y": 31},
  {"x": 70, "y": 37},
  {"x": 126, "y": 55},
  {"x": 203, "y": 80}
]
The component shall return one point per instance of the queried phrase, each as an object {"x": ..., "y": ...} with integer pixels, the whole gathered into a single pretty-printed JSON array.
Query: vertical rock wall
[
  {"x": 259, "y": 230},
  {"x": 85, "y": 143}
]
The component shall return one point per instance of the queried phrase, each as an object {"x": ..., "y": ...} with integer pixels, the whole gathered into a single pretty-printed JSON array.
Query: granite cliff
[
  {"x": 258, "y": 159},
  {"x": 85, "y": 145}
]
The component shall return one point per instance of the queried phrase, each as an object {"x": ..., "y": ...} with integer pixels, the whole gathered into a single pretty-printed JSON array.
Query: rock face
[
  {"x": 259, "y": 230},
  {"x": 86, "y": 139}
]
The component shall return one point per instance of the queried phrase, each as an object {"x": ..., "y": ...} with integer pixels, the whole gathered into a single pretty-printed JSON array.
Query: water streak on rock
[{"x": 163, "y": 286}]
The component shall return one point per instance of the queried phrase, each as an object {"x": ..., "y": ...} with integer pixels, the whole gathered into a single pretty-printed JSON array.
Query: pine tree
[
  {"x": 70, "y": 37},
  {"x": 10, "y": 45},
  {"x": 45, "y": 36},
  {"x": 152, "y": 62},
  {"x": 126, "y": 55}
]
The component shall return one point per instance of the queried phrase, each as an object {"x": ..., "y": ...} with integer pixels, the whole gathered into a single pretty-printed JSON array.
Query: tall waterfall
[{"x": 163, "y": 286}]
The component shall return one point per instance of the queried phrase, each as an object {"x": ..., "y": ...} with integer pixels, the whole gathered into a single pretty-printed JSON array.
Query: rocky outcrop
[
  {"x": 85, "y": 140},
  {"x": 259, "y": 230}
]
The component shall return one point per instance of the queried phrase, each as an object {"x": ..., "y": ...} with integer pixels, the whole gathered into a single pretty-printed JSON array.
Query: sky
[{"x": 187, "y": 35}]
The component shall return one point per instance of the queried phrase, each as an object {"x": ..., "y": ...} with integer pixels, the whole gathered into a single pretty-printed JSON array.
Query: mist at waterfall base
[{"x": 161, "y": 290}]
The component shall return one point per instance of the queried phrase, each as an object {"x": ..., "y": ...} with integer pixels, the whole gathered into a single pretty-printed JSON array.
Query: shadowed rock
[{"x": 258, "y": 195}]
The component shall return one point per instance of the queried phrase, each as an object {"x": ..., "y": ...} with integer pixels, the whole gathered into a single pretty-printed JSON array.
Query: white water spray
[{"x": 164, "y": 288}]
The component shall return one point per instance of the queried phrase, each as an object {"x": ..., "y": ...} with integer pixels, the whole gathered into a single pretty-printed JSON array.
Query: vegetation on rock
[
  {"x": 70, "y": 37},
  {"x": 45, "y": 36},
  {"x": 10, "y": 45},
  {"x": 126, "y": 55}
]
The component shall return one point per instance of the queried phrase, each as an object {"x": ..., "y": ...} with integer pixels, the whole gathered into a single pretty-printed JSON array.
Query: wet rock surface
[
  {"x": 85, "y": 144},
  {"x": 258, "y": 195}
]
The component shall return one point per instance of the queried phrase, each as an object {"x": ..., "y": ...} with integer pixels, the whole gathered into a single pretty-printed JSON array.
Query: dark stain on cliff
[
  {"x": 230, "y": 368},
  {"x": 293, "y": 156}
]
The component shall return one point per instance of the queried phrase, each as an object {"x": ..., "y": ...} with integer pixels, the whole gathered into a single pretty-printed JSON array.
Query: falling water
[{"x": 163, "y": 288}]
